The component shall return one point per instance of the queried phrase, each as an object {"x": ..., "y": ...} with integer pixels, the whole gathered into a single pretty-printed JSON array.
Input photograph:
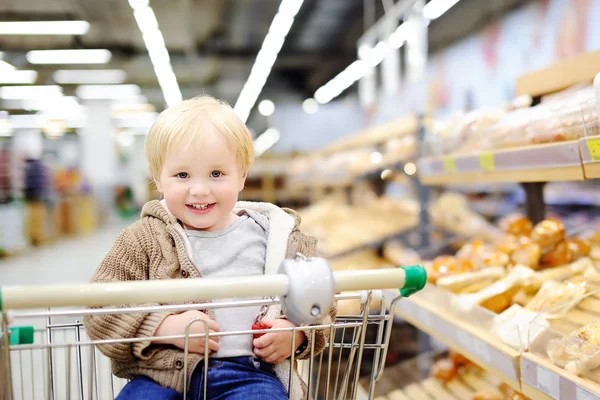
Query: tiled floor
[{"x": 68, "y": 260}]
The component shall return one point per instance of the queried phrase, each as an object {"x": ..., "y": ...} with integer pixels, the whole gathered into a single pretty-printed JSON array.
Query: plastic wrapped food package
[
  {"x": 554, "y": 294},
  {"x": 579, "y": 352},
  {"x": 452, "y": 213},
  {"x": 448, "y": 265},
  {"x": 548, "y": 233},
  {"x": 579, "y": 248},
  {"x": 516, "y": 224},
  {"x": 559, "y": 255},
  {"x": 528, "y": 255},
  {"x": 535, "y": 282},
  {"x": 498, "y": 296},
  {"x": 458, "y": 283}
]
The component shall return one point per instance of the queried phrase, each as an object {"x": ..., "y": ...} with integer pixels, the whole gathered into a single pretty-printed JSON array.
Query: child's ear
[
  {"x": 243, "y": 181},
  {"x": 157, "y": 184}
]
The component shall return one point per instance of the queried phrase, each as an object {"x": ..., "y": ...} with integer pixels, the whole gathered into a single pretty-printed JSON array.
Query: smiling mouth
[{"x": 200, "y": 206}]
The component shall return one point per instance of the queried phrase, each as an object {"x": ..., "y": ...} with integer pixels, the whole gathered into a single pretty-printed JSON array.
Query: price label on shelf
[
  {"x": 487, "y": 162},
  {"x": 449, "y": 165},
  {"x": 594, "y": 148},
  {"x": 583, "y": 394},
  {"x": 548, "y": 382}
]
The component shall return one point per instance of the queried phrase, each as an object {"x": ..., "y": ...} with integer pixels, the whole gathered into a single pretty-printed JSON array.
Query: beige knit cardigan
[{"x": 156, "y": 247}]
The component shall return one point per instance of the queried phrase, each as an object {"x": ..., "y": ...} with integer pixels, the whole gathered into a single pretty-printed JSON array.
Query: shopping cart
[{"x": 48, "y": 355}]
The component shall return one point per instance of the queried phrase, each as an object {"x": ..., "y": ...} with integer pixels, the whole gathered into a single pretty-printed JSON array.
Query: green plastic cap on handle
[
  {"x": 416, "y": 278},
  {"x": 21, "y": 335}
]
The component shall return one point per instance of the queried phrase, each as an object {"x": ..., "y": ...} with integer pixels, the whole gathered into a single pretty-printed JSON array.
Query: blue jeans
[{"x": 236, "y": 378}]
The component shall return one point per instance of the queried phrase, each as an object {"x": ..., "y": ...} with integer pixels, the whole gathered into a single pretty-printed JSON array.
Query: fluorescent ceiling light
[
  {"x": 157, "y": 50},
  {"x": 265, "y": 141},
  {"x": 266, "y": 108},
  {"x": 79, "y": 76},
  {"x": 107, "y": 91},
  {"x": 18, "y": 77},
  {"x": 44, "y": 28},
  {"x": 135, "y": 4},
  {"x": 77, "y": 56},
  {"x": 436, "y": 8},
  {"x": 30, "y": 92},
  {"x": 6, "y": 67},
  {"x": 310, "y": 106},
  {"x": 280, "y": 27},
  {"x": 341, "y": 82}
]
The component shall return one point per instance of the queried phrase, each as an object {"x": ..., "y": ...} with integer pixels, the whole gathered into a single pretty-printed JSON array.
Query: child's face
[{"x": 200, "y": 184}]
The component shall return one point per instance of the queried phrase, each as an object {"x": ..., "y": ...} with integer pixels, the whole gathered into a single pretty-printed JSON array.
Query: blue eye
[
  {"x": 215, "y": 174},
  {"x": 183, "y": 175}
]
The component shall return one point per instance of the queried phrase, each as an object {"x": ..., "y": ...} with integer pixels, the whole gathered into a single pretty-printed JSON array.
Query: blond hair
[{"x": 191, "y": 121}]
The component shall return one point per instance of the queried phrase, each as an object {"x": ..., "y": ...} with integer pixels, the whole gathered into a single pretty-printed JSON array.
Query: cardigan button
[
  {"x": 178, "y": 364},
  {"x": 184, "y": 273}
]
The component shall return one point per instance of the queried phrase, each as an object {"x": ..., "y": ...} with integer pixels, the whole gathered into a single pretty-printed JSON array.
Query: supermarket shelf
[
  {"x": 367, "y": 246},
  {"x": 543, "y": 380},
  {"x": 375, "y": 135},
  {"x": 579, "y": 69},
  {"x": 547, "y": 162},
  {"x": 590, "y": 156},
  {"x": 475, "y": 343}
]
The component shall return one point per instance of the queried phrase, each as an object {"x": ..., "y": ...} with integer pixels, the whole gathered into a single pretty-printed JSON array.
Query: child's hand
[
  {"x": 175, "y": 325},
  {"x": 277, "y": 346}
]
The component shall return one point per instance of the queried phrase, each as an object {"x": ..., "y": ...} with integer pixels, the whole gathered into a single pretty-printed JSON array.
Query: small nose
[{"x": 199, "y": 189}]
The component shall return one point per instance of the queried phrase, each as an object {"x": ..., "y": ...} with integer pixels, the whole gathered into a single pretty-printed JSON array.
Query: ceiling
[{"x": 213, "y": 43}]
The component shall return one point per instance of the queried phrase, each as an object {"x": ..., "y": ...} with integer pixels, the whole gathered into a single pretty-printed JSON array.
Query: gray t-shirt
[{"x": 238, "y": 250}]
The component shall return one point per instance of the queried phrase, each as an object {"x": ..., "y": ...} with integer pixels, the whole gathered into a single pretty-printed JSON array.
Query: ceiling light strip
[
  {"x": 280, "y": 27},
  {"x": 370, "y": 58},
  {"x": 44, "y": 28},
  {"x": 159, "y": 55}
]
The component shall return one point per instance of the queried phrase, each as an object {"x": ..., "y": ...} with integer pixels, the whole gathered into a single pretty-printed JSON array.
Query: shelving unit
[
  {"x": 590, "y": 157},
  {"x": 530, "y": 166},
  {"x": 426, "y": 311},
  {"x": 549, "y": 162},
  {"x": 540, "y": 379}
]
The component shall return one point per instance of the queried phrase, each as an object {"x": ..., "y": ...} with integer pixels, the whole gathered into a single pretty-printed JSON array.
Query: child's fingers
[
  {"x": 213, "y": 326},
  {"x": 213, "y": 345},
  {"x": 272, "y": 358},
  {"x": 266, "y": 352},
  {"x": 264, "y": 341}
]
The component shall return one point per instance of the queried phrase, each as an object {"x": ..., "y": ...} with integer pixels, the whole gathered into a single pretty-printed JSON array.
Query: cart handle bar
[{"x": 196, "y": 290}]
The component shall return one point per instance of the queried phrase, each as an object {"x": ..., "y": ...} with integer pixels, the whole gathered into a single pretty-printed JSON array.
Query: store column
[
  {"x": 98, "y": 156},
  {"x": 390, "y": 68}
]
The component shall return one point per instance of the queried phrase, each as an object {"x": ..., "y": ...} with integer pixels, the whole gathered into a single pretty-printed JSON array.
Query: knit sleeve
[{"x": 126, "y": 261}]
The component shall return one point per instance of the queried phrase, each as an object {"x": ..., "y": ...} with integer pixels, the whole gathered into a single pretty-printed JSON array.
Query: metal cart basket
[{"x": 45, "y": 352}]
